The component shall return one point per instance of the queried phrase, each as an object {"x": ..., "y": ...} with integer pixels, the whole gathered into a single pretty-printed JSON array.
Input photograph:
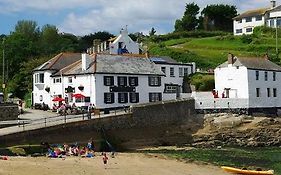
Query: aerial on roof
[
  {"x": 60, "y": 61},
  {"x": 253, "y": 63},
  {"x": 252, "y": 13}
]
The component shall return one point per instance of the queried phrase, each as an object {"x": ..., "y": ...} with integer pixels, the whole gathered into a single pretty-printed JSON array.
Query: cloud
[
  {"x": 138, "y": 15},
  {"x": 87, "y": 16}
]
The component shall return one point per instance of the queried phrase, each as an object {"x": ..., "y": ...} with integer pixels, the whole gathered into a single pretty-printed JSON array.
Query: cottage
[
  {"x": 247, "y": 21},
  {"x": 255, "y": 81}
]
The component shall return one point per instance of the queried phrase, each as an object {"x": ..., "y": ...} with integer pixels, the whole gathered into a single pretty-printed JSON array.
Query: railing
[{"x": 23, "y": 125}]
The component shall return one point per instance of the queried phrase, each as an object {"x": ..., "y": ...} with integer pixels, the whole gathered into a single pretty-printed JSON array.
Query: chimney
[
  {"x": 95, "y": 62},
  {"x": 85, "y": 61},
  {"x": 230, "y": 59},
  {"x": 147, "y": 54},
  {"x": 273, "y": 3}
]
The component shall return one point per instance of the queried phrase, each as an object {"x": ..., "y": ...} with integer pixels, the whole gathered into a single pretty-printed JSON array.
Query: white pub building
[{"x": 109, "y": 80}]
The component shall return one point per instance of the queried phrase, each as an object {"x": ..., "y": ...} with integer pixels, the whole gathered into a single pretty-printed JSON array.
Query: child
[{"x": 105, "y": 158}]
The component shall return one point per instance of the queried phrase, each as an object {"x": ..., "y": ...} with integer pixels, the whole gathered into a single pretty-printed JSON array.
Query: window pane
[{"x": 172, "y": 72}]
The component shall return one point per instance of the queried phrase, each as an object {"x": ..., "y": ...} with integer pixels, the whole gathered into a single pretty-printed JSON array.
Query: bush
[
  {"x": 188, "y": 34},
  {"x": 203, "y": 82},
  {"x": 247, "y": 39},
  {"x": 27, "y": 99}
]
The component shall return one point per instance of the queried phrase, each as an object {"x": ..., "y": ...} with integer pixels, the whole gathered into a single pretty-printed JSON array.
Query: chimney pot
[
  {"x": 266, "y": 57},
  {"x": 147, "y": 54},
  {"x": 273, "y": 3},
  {"x": 230, "y": 59}
]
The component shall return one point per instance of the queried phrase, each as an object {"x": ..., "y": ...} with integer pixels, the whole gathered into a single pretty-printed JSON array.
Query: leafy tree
[
  {"x": 21, "y": 83},
  {"x": 28, "y": 29},
  {"x": 87, "y": 40},
  {"x": 219, "y": 17},
  {"x": 152, "y": 32},
  {"x": 50, "y": 39},
  {"x": 189, "y": 20}
]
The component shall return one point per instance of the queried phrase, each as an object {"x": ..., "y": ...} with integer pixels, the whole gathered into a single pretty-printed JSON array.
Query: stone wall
[
  {"x": 163, "y": 123},
  {"x": 8, "y": 111}
]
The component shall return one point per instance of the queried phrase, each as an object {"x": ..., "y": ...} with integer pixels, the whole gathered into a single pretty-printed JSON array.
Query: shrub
[
  {"x": 247, "y": 39},
  {"x": 203, "y": 82}
]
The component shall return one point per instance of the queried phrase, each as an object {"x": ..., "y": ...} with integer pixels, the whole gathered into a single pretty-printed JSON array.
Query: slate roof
[
  {"x": 163, "y": 59},
  {"x": 250, "y": 13},
  {"x": 60, "y": 61},
  {"x": 253, "y": 63},
  {"x": 115, "y": 64}
]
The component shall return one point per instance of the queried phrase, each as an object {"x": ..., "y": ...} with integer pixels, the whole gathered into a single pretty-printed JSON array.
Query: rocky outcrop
[{"x": 265, "y": 132}]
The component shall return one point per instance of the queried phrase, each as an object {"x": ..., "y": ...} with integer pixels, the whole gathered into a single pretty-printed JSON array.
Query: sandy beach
[{"x": 123, "y": 163}]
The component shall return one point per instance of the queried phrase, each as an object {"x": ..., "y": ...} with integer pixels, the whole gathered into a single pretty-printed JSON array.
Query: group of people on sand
[{"x": 61, "y": 151}]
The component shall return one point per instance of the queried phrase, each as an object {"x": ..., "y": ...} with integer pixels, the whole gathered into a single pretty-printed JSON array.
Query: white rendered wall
[
  {"x": 131, "y": 46},
  {"x": 244, "y": 25},
  {"x": 264, "y": 100},
  {"x": 143, "y": 89},
  {"x": 275, "y": 14},
  {"x": 233, "y": 78},
  {"x": 176, "y": 79},
  {"x": 39, "y": 88}
]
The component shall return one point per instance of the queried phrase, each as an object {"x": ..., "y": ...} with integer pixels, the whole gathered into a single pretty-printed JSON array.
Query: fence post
[
  {"x": 23, "y": 126},
  {"x": 45, "y": 122},
  {"x": 64, "y": 117},
  {"x": 83, "y": 114}
]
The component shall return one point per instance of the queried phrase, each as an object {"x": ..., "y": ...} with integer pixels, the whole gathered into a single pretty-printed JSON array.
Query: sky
[{"x": 82, "y": 17}]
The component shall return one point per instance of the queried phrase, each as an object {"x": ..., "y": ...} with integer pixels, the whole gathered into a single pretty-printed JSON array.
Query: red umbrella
[
  {"x": 78, "y": 95},
  {"x": 58, "y": 99}
]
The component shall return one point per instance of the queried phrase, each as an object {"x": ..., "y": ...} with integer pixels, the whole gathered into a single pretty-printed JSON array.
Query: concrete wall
[
  {"x": 8, "y": 112},
  {"x": 164, "y": 123}
]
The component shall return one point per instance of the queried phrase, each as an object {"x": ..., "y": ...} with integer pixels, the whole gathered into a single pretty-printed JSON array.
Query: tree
[
  {"x": 189, "y": 20},
  {"x": 152, "y": 32},
  {"x": 49, "y": 39},
  {"x": 219, "y": 17},
  {"x": 28, "y": 29},
  {"x": 87, "y": 40}
]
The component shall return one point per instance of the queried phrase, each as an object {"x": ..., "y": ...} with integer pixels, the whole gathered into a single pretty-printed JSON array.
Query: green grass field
[
  {"x": 209, "y": 52},
  {"x": 251, "y": 158}
]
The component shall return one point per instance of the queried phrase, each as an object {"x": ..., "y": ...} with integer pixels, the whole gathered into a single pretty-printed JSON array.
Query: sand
[{"x": 122, "y": 164}]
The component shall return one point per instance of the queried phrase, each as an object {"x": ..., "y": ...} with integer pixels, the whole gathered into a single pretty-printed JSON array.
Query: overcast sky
[{"x": 82, "y": 17}]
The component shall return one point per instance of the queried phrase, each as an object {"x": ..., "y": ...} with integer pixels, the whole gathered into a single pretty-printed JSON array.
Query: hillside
[{"x": 208, "y": 52}]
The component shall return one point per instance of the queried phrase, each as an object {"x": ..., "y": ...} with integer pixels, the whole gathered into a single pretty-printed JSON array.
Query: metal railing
[{"x": 23, "y": 125}]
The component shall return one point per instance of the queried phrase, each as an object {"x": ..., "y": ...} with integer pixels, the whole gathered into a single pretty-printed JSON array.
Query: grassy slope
[{"x": 211, "y": 51}]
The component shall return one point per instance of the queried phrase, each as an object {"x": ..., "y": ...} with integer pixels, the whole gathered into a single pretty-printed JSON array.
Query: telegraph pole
[
  {"x": 276, "y": 40},
  {"x": 3, "y": 74}
]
